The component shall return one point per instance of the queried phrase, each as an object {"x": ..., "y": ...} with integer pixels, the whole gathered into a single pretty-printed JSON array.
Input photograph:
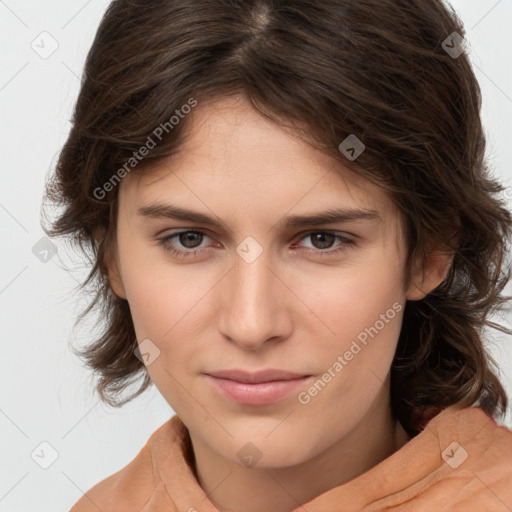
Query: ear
[
  {"x": 114, "y": 278},
  {"x": 431, "y": 272},
  {"x": 113, "y": 267}
]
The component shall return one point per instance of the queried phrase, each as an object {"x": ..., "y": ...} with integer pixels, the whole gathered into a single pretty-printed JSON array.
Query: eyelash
[{"x": 163, "y": 241}]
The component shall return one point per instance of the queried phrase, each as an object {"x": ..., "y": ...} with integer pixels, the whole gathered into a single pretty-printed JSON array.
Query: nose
[{"x": 254, "y": 303}]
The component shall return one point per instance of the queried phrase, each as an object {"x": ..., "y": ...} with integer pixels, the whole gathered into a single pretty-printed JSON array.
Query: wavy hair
[{"x": 378, "y": 69}]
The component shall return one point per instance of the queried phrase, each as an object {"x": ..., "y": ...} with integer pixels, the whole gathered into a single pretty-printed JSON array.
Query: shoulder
[
  {"x": 476, "y": 456},
  {"x": 471, "y": 425},
  {"x": 129, "y": 488},
  {"x": 473, "y": 430},
  {"x": 96, "y": 498}
]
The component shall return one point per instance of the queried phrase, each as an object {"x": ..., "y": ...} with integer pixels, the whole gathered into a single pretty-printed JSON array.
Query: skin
[{"x": 290, "y": 308}]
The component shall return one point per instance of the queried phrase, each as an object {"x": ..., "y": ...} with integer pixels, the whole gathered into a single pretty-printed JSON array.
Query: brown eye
[
  {"x": 322, "y": 240},
  {"x": 183, "y": 244},
  {"x": 190, "y": 239}
]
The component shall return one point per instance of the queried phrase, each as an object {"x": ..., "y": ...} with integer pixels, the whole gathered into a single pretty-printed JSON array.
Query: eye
[
  {"x": 191, "y": 241},
  {"x": 324, "y": 240}
]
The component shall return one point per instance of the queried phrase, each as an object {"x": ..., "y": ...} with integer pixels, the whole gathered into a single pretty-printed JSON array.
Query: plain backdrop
[{"x": 49, "y": 415}]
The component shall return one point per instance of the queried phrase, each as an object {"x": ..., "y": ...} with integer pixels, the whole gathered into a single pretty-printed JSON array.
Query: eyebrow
[{"x": 330, "y": 216}]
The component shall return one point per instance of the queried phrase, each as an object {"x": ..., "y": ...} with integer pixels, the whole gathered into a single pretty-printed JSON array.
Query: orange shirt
[{"x": 460, "y": 462}]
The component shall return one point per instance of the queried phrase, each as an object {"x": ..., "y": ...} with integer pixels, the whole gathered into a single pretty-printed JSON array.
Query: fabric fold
[{"x": 460, "y": 462}]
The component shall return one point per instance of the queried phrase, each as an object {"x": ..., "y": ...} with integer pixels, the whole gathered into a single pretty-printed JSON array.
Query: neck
[{"x": 234, "y": 487}]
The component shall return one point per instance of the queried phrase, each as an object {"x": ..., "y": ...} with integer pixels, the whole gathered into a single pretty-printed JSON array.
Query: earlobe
[
  {"x": 115, "y": 280},
  {"x": 430, "y": 275},
  {"x": 113, "y": 272}
]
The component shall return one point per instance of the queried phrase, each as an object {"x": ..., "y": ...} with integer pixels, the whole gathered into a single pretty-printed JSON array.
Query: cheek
[
  {"x": 163, "y": 303},
  {"x": 352, "y": 297},
  {"x": 362, "y": 305},
  {"x": 159, "y": 294},
  {"x": 365, "y": 311}
]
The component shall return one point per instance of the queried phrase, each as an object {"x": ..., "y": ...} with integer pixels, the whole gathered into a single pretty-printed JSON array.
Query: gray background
[{"x": 46, "y": 393}]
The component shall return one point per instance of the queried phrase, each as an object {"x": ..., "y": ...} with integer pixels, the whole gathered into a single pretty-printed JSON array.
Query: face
[{"x": 262, "y": 288}]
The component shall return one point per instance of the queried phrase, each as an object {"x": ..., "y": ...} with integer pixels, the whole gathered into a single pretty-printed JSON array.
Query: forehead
[{"x": 232, "y": 155}]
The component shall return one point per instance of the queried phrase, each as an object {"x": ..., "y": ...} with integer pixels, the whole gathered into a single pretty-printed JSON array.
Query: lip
[
  {"x": 266, "y": 375},
  {"x": 259, "y": 388}
]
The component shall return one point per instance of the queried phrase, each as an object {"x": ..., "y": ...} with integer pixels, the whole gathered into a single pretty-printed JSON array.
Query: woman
[{"x": 296, "y": 238}]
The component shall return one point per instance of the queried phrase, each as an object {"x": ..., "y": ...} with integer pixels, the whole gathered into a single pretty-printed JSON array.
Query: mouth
[
  {"x": 257, "y": 377},
  {"x": 261, "y": 388}
]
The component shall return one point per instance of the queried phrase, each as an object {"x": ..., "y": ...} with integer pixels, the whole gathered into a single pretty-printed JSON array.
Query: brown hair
[{"x": 376, "y": 69}]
